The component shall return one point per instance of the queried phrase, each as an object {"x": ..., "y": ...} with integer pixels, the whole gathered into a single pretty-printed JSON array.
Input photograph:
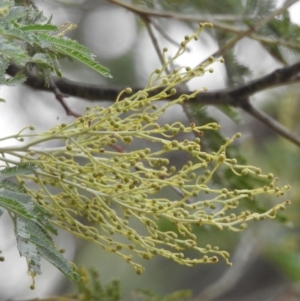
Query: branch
[
  {"x": 233, "y": 97},
  {"x": 165, "y": 35},
  {"x": 271, "y": 123},
  {"x": 238, "y": 97},
  {"x": 148, "y": 23},
  {"x": 60, "y": 98}
]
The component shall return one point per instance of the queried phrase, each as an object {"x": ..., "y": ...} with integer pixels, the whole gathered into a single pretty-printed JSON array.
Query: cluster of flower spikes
[{"x": 113, "y": 198}]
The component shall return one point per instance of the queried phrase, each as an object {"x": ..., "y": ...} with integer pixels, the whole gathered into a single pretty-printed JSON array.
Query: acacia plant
[{"x": 93, "y": 187}]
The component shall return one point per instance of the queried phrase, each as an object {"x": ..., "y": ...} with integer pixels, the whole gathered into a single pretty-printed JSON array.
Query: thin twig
[
  {"x": 271, "y": 123},
  {"x": 165, "y": 35},
  {"x": 60, "y": 98},
  {"x": 147, "y": 22}
]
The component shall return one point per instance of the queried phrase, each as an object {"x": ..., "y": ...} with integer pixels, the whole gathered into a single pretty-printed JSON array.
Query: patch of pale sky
[
  {"x": 147, "y": 59},
  {"x": 295, "y": 13},
  {"x": 110, "y": 32}
]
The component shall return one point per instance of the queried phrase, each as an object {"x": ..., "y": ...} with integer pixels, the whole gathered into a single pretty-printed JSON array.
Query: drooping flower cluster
[{"x": 97, "y": 191}]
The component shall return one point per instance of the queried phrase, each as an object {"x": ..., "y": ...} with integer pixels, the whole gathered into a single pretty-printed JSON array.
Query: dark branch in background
[
  {"x": 148, "y": 23},
  {"x": 237, "y": 97},
  {"x": 271, "y": 123},
  {"x": 233, "y": 97}
]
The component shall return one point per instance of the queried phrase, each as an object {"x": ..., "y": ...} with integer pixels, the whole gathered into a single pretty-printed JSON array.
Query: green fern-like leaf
[
  {"x": 275, "y": 51},
  {"x": 16, "y": 80},
  {"x": 14, "y": 14},
  {"x": 46, "y": 63},
  {"x": 284, "y": 31},
  {"x": 27, "y": 37},
  {"x": 76, "y": 51},
  {"x": 52, "y": 255},
  {"x": 93, "y": 290},
  {"x": 18, "y": 34},
  {"x": 20, "y": 169},
  {"x": 32, "y": 232},
  {"x": 35, "y": 243},
  {"x": 12, "y": 52},
  {"x": 13, "y": 205},
  {"x": 32, "y": 224},
  {"x": 259, "y": 8},
  {"x": 26, "y": 247},
  {"x": 39, "y": 28},
  {"x": 9, "y": 185},
  {"x": 232, "y": 113},
  {"x": 146, "y": 295}
]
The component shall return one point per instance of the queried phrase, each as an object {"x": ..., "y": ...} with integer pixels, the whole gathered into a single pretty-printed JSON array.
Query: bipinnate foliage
[
  {"x": 94, "y": 189},
  {"x": 32, "y": 224},
  {"x": 92, "y": 289},
  {"x": 29, "y": 39}
]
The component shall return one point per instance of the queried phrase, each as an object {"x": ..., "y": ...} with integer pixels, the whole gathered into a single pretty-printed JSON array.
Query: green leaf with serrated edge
[
  {"x": 93, "y": 289},
  {"x": 76, "y": 51},
  {"x": 33, "y": 208},
  {"x": 26, "y": 168},
  {"x": 18, "y": 196},
  {"x": 232, "y": 113},
  {"x": 275, "y": 52},
  {"x": 259, "y": 8},
  {"x": 40, "y": 58},
  {"x": 236, "y": 71},
  {"x": 9, "y": 185},
  {"x": 47, "y": 63},
  {"x": 15, "y": 207},
  {"x": 40, "y": 214},
  {"x": 38, "y": 234},
  {"x": 34, "y": 242},
  {"x": 39, "y": 27},
  {"x": 18, "y": 34},
  {"x": 251, "y": 7},
  {"x": 55, "y": 257},
  {"x": 15, "y": 13},
  {"x": 13, "y": 52},
  {"x": 26, "y": 247},
  {"x": 16, "y": 80},
  {"x": 14, "y": 191}
]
